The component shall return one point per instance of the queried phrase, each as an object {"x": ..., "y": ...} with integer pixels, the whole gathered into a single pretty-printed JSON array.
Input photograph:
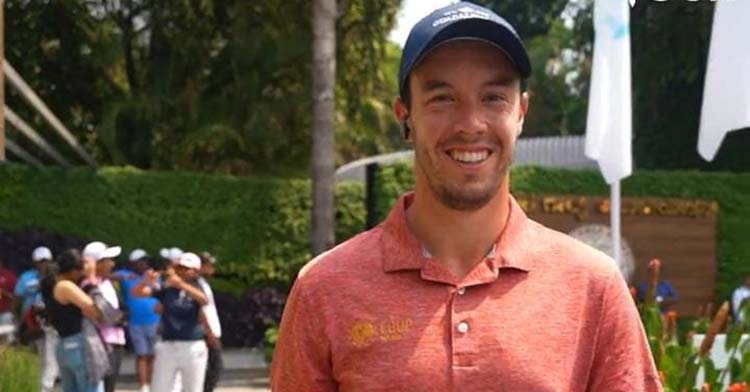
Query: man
[
  {"x": 8, "y": 281},
  {"x": 212, "y": 325},
  {"x": 739, "y": 297},
  {"x": 112, "y": 335},
  {"x": 665, "y": 295},
  {"x": 28, "y": 292},
  {"x": 183, "y": 349},
  {"x": 143, "y": 321},
  {"x": 458, "y": 290}
]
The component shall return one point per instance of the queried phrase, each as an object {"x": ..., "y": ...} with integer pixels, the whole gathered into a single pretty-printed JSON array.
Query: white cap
[
  {"x": 175, "y": 253},
  {"x": 99, "y": 251},
  {"x": 41, "y": 253},
  {"x": 189, "y": 260},
  {"x": 164, "y": 253},
  {"x": 137, "y": 254}
]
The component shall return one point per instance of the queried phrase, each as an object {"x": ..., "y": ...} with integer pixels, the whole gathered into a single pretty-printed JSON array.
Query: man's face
[
  {"x": 207, "y": 269},
  {"x": 186, "y": 274},
  {"x": 140, "y": 266},
  {"x": 104, "y": 267},
  {"x": 466, "y": 113},
  {"x": 41, "y": 266}
]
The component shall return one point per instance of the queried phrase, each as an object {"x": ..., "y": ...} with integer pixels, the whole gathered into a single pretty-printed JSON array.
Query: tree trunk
[
  {"x": 324, "y": 81},
  {"x": 2, "y": 81}
]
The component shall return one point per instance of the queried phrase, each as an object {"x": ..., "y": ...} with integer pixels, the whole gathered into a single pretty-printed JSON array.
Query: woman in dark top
[
  {"x": 182, "y": 349},
  {"x": 67, "y": 305}
]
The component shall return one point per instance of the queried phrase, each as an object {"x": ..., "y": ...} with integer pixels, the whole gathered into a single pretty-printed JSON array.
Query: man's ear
[
  {"x": 402, "y": 115},
  {"x": 523, "y": 110}
]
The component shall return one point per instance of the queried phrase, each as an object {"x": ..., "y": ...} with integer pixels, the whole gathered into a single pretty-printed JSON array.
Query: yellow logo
[{"x": 363, "y": 332}]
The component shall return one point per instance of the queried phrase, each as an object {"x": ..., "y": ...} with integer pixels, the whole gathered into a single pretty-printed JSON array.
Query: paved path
[
  {"x": 252, "y": 380},
  {"x": 245, "y": 370}
]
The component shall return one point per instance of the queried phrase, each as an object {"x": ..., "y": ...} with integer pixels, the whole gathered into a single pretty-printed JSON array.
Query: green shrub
[
  {"x": 731, "y": 191},
  {"x": 19, "y": 370},
  {"x": 257, "y": 227}
]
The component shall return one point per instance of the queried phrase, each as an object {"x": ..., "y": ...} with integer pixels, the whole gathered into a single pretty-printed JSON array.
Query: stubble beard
[{"x": 458, "y": 196}]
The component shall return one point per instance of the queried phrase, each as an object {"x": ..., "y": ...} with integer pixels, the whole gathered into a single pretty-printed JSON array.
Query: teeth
[{"x": 469, "y": 157}]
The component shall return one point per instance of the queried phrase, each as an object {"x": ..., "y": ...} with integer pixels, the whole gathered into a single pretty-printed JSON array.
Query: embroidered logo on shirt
[{"x": 364, "y": 332}]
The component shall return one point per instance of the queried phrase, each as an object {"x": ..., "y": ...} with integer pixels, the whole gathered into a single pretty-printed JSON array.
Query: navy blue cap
[{"x": 462, "y": 20}]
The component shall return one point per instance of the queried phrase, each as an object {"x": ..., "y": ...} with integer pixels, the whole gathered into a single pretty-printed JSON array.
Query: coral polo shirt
[{"x": 542, "y": 312}]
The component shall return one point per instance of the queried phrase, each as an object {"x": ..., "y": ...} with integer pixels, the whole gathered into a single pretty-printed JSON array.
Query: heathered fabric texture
[{"x": 543, "y": 313}]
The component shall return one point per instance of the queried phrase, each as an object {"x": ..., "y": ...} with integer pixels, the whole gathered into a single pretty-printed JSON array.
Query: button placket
[{"x": 461, "y": 325}]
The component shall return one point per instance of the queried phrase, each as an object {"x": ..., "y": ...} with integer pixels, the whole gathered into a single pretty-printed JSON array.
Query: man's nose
[{"x": 470, "y": 119}]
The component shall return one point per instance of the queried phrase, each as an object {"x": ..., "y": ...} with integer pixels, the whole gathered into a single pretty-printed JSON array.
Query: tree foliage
[
  {"x": 669, "y": 41},
  {"x": 212, "y": 85}
]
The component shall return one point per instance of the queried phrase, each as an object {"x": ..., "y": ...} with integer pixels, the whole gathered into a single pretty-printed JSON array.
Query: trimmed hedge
[
  {"x": 258, "y": 228},
  {"x": 731, "y": 191}
]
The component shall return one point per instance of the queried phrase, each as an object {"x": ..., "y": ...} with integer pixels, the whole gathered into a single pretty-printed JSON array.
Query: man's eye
[
  {"x": 494, "y": 98},
  {"x": 441, "y": 98}
]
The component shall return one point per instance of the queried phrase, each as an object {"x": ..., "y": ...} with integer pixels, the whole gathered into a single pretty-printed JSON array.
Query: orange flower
[
  {"x": 739, "y": 387},
  {"x": 662, "y": 377}
]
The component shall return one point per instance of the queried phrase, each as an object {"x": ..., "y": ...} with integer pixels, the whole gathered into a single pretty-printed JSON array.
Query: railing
[{"x": 9, "y": 117}]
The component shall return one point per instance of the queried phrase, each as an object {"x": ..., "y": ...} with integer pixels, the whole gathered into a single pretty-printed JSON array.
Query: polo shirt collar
[{"x": 403, "y": 251}]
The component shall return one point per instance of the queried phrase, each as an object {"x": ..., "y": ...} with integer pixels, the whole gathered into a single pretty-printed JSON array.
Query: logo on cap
[{"x": 461, "y": 13}]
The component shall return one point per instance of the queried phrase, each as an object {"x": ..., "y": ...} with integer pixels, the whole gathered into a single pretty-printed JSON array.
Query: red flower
[{"x": 739, "y": 387}]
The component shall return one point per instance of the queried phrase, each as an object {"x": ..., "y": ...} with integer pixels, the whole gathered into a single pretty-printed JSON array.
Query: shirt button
[
  {"x": 463, "y": 327},
  {"x": 461, "y": 291}
]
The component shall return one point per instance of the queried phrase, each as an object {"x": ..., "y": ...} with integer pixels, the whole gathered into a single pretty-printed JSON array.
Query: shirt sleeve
[
  {"x": 622, "y": 358},
  {"x": 302, "y": 360},
  {"x": 20, "y": 289}
]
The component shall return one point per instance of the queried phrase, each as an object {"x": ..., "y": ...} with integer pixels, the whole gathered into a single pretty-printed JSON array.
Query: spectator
[
  {"x": 665, "y": 295},
  {"x": 213, "y": 326},
  {"x": 183, "y": 348},
  {"x": 67, "y": 305},
  {"x": 112, "y": 335},
  {"x": 8, "y": 281},
  {"x": 143, "y": 321},
  {"x": 44, "y": 336},
  {"x": 739, "y": 297}
]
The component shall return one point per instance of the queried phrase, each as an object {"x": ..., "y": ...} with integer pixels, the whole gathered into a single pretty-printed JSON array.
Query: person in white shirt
[
  {"x": 113, "y": 335},
  {"x": 739, "y": 296},
  {"x": 213, "y": 327}
]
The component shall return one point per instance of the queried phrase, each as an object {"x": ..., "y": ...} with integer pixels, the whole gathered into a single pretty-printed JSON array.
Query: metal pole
[
  {"x": 371, "y": 196},
  {"x": 615, "y": 220},
  {"x": 2, "y": 81}
]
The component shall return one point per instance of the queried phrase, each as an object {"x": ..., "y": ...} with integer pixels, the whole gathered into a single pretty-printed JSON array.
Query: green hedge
[
  {"x": 258, "y": 228},
  {"x": 731, "y": 191}
]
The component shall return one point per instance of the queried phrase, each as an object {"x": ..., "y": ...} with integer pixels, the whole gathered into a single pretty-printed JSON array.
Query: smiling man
[{"x": 458, "y": 290}]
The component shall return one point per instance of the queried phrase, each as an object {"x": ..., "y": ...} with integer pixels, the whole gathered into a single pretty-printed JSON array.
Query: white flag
[
  {"x": 726, "y": 96},
  {"x": 609, "y": 123}
]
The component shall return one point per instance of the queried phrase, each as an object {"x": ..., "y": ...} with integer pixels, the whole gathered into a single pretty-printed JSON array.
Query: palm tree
[{"x": 324, "y": 79}]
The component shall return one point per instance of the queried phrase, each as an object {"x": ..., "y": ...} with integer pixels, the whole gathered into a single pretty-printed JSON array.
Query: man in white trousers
[{"x": 183, "y": 348}]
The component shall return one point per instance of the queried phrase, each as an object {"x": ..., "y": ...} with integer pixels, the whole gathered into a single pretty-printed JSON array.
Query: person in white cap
[
  {"x": 143, "y": 320},
  {"x": 103, "y": 257},
  {"x": 28, "y": 291},
  {"x": 213, "y": 326},
  {"x": 182, "y": 349}
]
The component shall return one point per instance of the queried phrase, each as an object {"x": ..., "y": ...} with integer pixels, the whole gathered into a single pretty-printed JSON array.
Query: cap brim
[
  {"x": 111, "y": 253},
  {"x": 477, "y": 30}
]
